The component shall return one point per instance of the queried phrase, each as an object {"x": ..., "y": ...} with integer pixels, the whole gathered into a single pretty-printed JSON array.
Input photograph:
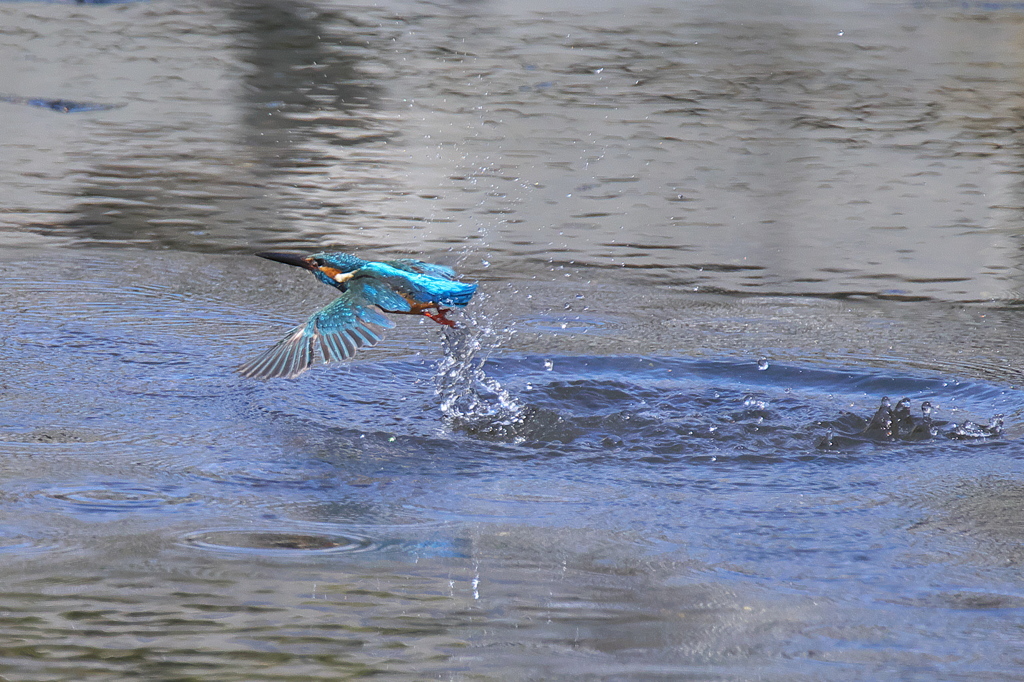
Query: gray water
[{"x": 710, "y": 237}]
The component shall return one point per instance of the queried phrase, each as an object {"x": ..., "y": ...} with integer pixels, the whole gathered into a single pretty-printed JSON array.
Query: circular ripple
[
  {"x": 118, "y": 498},
  {"x": 56, "y": 436},
  {"x": 18, "y": 543},
  {"x": 278, "y": 542}
]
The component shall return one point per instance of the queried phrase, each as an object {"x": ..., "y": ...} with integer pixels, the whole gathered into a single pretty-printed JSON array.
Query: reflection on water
[
  {"x": 842, "y": 151},
  {"x": 710, "y": 238},
  {"x": 63, "y": 106}
]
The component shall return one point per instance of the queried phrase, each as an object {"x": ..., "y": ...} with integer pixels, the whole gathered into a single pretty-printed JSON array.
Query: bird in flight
[{"x": 368, "y": 288}]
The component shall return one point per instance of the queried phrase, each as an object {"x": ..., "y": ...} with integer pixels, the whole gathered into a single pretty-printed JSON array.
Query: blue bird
[{"x": 353, "y": 320}]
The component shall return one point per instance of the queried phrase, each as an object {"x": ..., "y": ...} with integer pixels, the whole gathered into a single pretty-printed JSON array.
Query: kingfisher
[{"x": 405, "y": 286}]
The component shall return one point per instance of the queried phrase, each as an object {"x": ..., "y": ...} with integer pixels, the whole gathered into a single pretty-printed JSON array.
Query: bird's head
[{"x": 330, "y": 268}]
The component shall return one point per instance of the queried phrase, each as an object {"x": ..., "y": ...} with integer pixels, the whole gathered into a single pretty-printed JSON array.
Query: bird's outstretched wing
[
  {"x": 347, "y": 323},
  {"x": 373, "y": 291}
]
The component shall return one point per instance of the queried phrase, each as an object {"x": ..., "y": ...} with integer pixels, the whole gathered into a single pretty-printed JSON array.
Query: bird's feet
[{"x": 439, "y": 317}]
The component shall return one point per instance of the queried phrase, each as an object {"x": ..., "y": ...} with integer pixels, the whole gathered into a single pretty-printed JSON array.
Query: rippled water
[{"x": 710, "y": 238}]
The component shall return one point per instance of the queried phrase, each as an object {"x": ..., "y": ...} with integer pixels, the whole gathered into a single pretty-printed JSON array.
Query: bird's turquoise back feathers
[
  {"x": 422, "y": 288},
  {"x": 418, "y": 266}
]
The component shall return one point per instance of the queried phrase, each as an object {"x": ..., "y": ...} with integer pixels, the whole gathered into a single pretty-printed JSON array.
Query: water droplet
[
  {"x": 549, "y": 365},
  {"x": 470, "y": 398},
  {"x": 580, "y": 296},
  {"x": 485, "y": 263},
  {"x": 762, "y": 363}
]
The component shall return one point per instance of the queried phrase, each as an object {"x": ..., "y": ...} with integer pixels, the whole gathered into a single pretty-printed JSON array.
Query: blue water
[
  {"x": 654, "y": 514},
  {"x": 710, "y": 238}
]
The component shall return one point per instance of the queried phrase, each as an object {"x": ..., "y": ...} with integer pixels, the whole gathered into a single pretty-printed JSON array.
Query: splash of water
[
  {"x": 898, "y": 423},
  {"x": 471, "y": 400}
]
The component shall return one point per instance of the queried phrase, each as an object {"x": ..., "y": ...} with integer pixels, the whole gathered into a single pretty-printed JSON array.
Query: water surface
[{"x": 706, "y": 235}]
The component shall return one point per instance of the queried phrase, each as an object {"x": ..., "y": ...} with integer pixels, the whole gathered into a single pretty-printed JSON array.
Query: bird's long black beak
[{"x": 289, "y": 259}]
